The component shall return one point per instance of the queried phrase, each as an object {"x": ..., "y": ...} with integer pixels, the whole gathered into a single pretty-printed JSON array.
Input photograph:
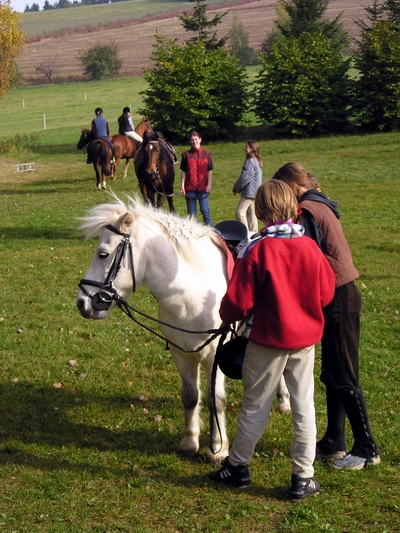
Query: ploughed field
[{"x": 135, "y": 36}]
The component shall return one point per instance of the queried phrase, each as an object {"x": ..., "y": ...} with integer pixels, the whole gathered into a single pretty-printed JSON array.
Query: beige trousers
[
  {"x": 262, "y": 370},
  {"x": 133, "y": 135},
  {"x": 245, "y": 212}
]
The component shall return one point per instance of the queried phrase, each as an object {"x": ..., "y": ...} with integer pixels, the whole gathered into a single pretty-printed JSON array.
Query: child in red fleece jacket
[{"x": 280, "y": 283}]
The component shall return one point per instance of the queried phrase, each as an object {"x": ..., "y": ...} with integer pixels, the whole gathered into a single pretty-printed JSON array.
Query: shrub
[
  {"x": 19, "y": 143},
  {"x": 101, "y": 61}
]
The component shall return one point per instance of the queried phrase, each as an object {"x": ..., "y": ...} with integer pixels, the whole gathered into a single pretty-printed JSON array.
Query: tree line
[
  {"x": 305, "y": 85},
  {"x": 62, "y": 4}
]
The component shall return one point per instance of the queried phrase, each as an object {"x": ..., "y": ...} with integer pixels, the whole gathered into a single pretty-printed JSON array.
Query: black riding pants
[{"x": 340, "y": 374}]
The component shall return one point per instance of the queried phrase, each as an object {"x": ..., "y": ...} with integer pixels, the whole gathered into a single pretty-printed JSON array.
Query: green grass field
[{"x": 77, "y": 451}]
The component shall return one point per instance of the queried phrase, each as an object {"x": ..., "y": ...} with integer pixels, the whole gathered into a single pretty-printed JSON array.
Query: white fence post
[{"x": 44, "y": 120}]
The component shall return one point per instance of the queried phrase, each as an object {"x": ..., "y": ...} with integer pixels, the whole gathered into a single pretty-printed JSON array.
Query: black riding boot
[
  {"x": 356, "y": 410},
  {"x": 334, "y": 440}
]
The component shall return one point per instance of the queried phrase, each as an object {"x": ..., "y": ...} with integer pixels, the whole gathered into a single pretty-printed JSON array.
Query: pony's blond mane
[{"x": 182, "y": 232}]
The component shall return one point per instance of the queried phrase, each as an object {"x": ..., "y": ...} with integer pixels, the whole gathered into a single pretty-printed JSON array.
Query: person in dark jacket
[
  {"x": 101, "y": 130},
  {"x": 340, "y": 342},
  {"x": 126, "y": 126},
  {"x": 280, "y": 283},
  {"x": 247, "y": 184}
]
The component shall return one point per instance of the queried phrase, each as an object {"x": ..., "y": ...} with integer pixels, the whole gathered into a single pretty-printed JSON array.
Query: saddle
[{"x": 234, "y": 234}]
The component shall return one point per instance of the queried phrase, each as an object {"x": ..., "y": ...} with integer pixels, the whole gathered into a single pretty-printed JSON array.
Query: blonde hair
[
  {"x": 296, "y": 177},
  {"x": 275, "y": 201},
  {"x": 255, "y": 151}
]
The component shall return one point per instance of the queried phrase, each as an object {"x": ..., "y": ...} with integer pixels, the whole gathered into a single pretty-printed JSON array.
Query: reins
[{"x": 103, "y": 299}]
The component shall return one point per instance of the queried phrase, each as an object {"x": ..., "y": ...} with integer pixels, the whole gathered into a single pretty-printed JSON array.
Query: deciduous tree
[
  {"x": 12, "y": 41},
  {"x": 101, "y": 61}
]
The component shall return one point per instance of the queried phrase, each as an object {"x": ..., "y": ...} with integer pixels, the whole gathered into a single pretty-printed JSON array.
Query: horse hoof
[
  {"x": 187, "y": 454},
  {"x": 283, "y": 408},
  {"x": 216, "y": 458}
]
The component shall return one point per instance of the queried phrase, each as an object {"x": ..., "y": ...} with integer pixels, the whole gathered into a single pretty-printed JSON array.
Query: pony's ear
[{"x": 125, "y": 222}]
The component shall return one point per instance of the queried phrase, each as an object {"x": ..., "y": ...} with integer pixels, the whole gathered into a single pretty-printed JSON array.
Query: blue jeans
[{"x": 191, "y": 203}]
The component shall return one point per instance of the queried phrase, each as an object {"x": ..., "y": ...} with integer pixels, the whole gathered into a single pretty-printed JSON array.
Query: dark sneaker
[
  {"x": 237, "y": 476},
  {"x": 323, "y": 456},
  {"x": 353, "y": 462},
  {"x": 303, "y": 487}
]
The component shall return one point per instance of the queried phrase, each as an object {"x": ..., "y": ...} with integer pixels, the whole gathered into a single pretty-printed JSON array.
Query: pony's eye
[{"x": 103, "y": 255}]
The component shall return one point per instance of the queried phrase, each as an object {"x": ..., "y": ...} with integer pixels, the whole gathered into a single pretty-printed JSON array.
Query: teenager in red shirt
[{"x": 197, "y": 167}]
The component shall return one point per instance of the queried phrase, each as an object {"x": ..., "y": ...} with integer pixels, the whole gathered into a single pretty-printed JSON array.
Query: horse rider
[
  {"x": 101, "y": 130},
  {"x": 126, "y": 126}
]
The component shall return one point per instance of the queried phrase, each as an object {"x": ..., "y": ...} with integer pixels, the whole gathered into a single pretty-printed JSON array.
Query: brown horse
[
  {"x": 99, "y": 152},
  {"x": 155, "y": 170},
  {"x": 125, "y": 147}
]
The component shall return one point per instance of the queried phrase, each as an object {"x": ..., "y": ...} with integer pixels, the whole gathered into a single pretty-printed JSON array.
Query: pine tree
[{"x": 203, "y": 26}]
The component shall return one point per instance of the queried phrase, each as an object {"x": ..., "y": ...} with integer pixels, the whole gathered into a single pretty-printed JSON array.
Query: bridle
[
  {"x": 156, "y": 173},
  {"x": 103, "y": 299},
  {"x": 108, "y": 294}
]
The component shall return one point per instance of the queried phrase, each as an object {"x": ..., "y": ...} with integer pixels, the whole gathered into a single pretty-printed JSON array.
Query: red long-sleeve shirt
[{"x": 285, "y": 282}]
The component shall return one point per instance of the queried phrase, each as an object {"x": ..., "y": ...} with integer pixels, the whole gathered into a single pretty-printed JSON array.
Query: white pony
[{"x": 184, "y": 265}]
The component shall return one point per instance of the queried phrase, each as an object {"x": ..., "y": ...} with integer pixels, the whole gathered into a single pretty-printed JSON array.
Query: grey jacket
[{"x": 250, "y": 178}]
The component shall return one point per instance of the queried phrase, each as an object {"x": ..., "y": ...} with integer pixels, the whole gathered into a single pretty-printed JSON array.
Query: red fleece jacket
[{"x": 285, "y": 283}]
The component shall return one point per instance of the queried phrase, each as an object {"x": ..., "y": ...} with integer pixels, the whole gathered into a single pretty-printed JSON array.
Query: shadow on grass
[
  {"x": 42, "y": 417},
  {"x": 57, "y": 149},
  {"x": 27, "y": 233}
]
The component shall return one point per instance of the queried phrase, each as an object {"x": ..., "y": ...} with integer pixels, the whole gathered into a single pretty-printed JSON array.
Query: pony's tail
[{"x": 105, "y": 160}]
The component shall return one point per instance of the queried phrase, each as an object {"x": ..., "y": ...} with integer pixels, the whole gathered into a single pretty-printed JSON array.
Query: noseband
[{"x": 107, "y": 293}]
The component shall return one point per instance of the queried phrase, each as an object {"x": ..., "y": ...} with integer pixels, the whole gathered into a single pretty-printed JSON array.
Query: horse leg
[
  {"x": 127, "y": 164},
  {"x": 160, "y": 200},
  {"x": 219, "y": 438},
  {"x": 170, "y": 204},
  {"x": 283, "y": 397},
  {"x": 190, "y": 375},
  {"x": 103, "y": 183},
  {"x": 114, "y": 167},
  {"x": 98, "y": 177}
]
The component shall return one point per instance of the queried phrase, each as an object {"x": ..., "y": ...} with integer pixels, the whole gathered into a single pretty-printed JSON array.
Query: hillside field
[{"x": 57, "y": 36}]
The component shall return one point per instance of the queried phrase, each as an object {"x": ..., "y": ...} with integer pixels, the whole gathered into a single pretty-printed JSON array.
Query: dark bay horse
[
  {"x": 99, "y": 152},
  {"x": 155, "y": 170}
]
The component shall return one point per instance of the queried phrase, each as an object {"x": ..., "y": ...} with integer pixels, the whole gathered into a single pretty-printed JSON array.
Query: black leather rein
[{"x": 107, "y": 293}]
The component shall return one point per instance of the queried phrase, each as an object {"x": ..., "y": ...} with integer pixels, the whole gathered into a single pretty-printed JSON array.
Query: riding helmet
[
  {"x": 126, "y": 110},
  {"x": 230, "y": 357},
  {"x": 98, "y": 111}
]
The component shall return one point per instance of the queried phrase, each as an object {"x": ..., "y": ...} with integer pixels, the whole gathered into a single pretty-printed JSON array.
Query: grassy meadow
[{"x": 81, "y": 445}]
